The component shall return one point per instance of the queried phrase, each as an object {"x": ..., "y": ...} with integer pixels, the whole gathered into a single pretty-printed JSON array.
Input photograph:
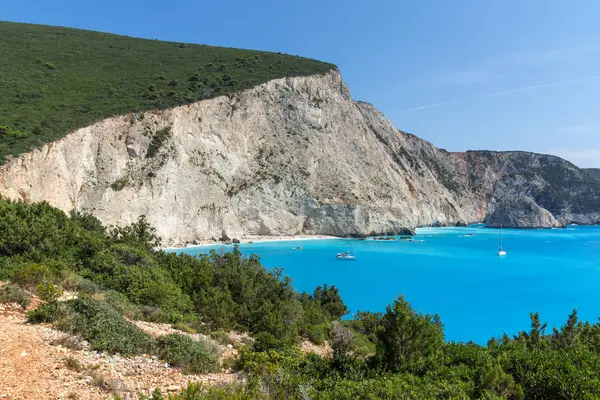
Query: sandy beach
[{"x": 250, "y": 239}]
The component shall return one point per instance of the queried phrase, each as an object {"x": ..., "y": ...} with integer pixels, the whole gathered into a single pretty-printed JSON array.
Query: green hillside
[{"x": 54, "y": 80}]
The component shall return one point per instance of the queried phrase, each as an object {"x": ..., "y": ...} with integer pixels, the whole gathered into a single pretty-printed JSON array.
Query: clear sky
[{"x": 464, "y": 74}]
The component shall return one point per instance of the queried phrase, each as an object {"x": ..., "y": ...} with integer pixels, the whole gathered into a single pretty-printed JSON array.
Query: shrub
[
  {"x": 30, "y": 275},
  {"x": 342, "y": 343},
  {"x": 98, "y": 323},
  {"x": 73, "y": 364},
  {"x": 119, "y": 184},
  {"x": 48, "y": 292},
  {"x": 185, "y": 327},
  {"x": 265, "y": 341},
  {"x": 264, "y": 362},
  {"x": 107, "y": 330},
  {"x": 97, "y": 379},
  {"x": 363, "y": 347},
  {"x": 318, "y": 334},
  {"x": 221, "y": 337},
  {"x": 11, "y": 132},
  {"x": 44, "y": 313},
  {"x": 159, "y": 138},
  {"x": 191, "y": 356},
  {"x": 69, "y": 280},
  {"x": 14, "y": 294},
  {"x": 86, "y": 221},
  {"x": 121, "y": 303}
]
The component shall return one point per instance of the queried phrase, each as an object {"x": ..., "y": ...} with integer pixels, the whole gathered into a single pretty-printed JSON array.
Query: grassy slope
[{"x": 54, "y": 80}]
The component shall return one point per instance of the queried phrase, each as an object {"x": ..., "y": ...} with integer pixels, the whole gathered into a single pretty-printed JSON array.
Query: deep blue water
[{"x": 476, "y": 293}]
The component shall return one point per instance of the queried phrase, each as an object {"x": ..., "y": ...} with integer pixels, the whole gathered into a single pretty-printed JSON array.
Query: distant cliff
[
  {"x": 291, "y": 156},
  {"x": 521, "y": 212}
]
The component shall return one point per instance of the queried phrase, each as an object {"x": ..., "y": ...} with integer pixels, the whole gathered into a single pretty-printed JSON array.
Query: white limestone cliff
[{"x": 291, "y": 156}]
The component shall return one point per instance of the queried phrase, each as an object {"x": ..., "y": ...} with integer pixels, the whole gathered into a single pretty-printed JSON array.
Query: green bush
[
  {"x": 107, "y": 330},
  {"x": 14, "y": 294},
  {"x": 119, "y": 184},
  {"x": 69, "y": 280},
  {"x": 7, "y": 131},
  {"x": 122, "y": 304},
  {"x": 342, "y": 344},
  {"x": 185, "y": 327},
  {"x": 265, "y": 341},
  {"x": 265, "y": 362},
  {"x": 158, "y": 140},
  {"x": 31, "y": 275},
  {"x": 98, "y": 323},
  {"x": 48, "y": 292},
  {"x": 191, "y": 356},
  {"x": 221, "y": 337},
  {"x": 318, "y": 334},
  {"x": 49, "y": 312}
]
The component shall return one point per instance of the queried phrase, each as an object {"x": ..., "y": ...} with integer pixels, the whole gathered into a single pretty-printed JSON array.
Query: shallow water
[{"x": 476, "y": 293}]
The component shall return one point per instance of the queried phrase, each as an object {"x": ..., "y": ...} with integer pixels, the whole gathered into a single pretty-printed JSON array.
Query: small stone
[
  {"x": 230, "y": 346},
  {"x": 166, "y": 365},
  {"x": 173, "y": 388},
  {"x": 24, "y": 354}
]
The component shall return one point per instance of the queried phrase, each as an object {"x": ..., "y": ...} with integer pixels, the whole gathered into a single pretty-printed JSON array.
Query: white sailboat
[
  {"x": 501, "y": 251},
  {"x": 347, "y": 255}
]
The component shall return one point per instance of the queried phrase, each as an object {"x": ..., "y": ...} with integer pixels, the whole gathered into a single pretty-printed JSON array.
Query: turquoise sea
[{"x": 477, "y": 294}]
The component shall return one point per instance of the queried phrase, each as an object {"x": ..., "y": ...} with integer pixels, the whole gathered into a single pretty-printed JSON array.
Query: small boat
[
  {"x": 501, "y": 251},
  {"x": 298, "y": 248},
  {"x": 347, "y": 255},
  {"x": 469, "y": 235}
]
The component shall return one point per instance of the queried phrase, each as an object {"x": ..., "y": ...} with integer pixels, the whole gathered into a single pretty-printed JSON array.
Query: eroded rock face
[
  {"x": 521, "y": 212},
  {"x": 292, "y": 156}
]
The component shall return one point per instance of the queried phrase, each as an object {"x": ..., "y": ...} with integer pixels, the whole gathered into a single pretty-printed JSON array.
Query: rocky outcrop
[
  {"x": 293, "y": 156},
  {"x": 593, "y": 173},
  {"x": 521, "y": 212}
]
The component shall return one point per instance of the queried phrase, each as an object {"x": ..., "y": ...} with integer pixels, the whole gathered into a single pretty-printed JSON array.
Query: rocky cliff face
[
  {"x": 521, "y": 212},
  {"x": 291, "y": 156}
]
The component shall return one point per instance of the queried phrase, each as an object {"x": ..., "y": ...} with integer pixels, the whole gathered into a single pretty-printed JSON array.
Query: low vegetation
[
  {"x": 70, "y": 78},
  {"x": 157, "y": 142},
  {"x": 12, "y": 294},
  {"x": 190, "y": 355},
  {"x": 97, "y": 322},
  {"x": 398, "y": 354}
]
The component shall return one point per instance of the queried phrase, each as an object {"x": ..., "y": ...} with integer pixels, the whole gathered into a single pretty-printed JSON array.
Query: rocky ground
[{"x": 39, "y": 362}]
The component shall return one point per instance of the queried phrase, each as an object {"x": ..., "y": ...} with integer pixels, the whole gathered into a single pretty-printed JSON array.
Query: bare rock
[
  {"x": 292, "y": 156},
  {"x": 521, "y": 212}
]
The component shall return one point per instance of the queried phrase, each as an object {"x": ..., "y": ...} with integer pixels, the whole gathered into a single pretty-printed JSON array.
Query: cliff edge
[{"x": 288, "y": 157}]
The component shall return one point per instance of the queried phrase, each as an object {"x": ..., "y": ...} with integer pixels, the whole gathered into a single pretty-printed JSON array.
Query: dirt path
[{"x": 33, "y": 367}]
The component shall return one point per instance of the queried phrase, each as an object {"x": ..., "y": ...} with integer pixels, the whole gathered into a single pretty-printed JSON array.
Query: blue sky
[{"x": 466, "y": 74}]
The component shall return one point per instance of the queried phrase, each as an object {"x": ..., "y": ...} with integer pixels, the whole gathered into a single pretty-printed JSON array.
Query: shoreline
[
  {"x": 249, "y": 239},
  {"x": 290, "y": 238}
]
